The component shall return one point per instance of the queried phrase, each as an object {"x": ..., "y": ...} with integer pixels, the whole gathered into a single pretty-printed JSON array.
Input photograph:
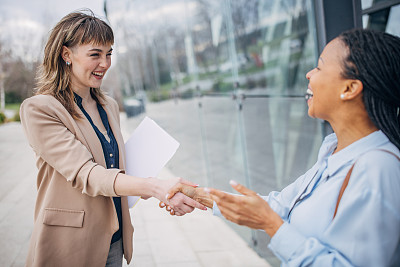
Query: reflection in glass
[
  {"x": 226, "y": 78},
  {"x": 393, "y": 25},
  {"x": 386, "y": 20},
  {"x": 378, "y": 20},
  {"x": 368, "y": 3}
]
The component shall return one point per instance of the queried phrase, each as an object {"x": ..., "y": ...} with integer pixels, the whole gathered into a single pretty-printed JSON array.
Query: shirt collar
[
  {"x": 327, "y": 147},
  {"x": 351, "y": 152}
]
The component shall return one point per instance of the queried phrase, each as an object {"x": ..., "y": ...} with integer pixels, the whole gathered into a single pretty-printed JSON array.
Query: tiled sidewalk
[{"x": 194, "y": 240}]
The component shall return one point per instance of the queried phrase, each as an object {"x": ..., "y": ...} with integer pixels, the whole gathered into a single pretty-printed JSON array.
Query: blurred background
[{"x": 226, "y": 78}]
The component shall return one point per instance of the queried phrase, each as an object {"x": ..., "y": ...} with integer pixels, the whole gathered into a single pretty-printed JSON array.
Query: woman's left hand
[{"x": 249, "y": 210}]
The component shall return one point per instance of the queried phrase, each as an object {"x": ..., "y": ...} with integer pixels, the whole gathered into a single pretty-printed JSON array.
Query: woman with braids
[
  {"x": 81, "y": 214},
  {"x": 345, "y": 210}
]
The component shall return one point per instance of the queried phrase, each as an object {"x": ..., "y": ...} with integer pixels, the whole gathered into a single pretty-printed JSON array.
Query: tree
[
  {"x": 20, "y": 81},
  {"x": 4, "y": 58}
]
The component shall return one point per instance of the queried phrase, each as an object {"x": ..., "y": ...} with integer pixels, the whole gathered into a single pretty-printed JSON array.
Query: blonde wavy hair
[{"x": 53, "y": 76}]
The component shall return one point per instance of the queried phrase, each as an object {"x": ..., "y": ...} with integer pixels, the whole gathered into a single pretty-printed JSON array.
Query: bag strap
[{"x": 346, "y": 180}]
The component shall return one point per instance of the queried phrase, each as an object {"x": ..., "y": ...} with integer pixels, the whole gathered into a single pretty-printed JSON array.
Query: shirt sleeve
[
  {"x": 366, "y": 229},
  {"x": 54, "y": 144}
]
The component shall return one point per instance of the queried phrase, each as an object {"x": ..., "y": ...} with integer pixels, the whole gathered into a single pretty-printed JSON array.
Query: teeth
[
  {"x": 309, "y": 94},
  {"x": 98, "y": 73}
]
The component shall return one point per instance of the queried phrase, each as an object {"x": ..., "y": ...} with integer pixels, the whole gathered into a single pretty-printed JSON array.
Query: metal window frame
[
  {"x": 334, "y": 17},
  {"x": 380, "y": 6}
]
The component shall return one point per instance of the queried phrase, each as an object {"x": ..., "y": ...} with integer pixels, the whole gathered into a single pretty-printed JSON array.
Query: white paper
[{"x": 147, "y": 151}]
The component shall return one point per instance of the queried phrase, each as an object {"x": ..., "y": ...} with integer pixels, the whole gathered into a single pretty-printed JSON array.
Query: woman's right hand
[
  {"x": 178, "y": 204},
  {"x": 195, "y": 193},
  {"x": 176, "y": 192},
  {"x": 126, "y": 185}
]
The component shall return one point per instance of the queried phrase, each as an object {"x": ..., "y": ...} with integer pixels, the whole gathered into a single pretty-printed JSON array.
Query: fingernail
[
  {"x": 207, "y": 190},
  {"x": 162, "y": 205},
  {"x": 204, "y": 208},
  {"x": 166, "y": 196},
  {"x": 233, "y": 183},
  {"x": 196, "y": 185}
]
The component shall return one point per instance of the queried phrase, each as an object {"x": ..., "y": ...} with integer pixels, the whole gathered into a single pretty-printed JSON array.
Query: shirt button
[
  {"x": 111, "y": 155},
  {"x": 112, "y": 165}
]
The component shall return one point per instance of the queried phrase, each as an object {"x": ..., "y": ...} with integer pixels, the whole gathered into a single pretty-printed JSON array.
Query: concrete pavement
[
  {"x": 194, "y": 240},
  {"x": 17, "y": 194},
  {"x": 160, "y": 240}
]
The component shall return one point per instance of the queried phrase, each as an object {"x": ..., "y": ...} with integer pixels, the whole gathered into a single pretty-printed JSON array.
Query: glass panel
[
  {"x": 278, "y": 132},
  {"x": 369, "y": 3},
  {"x": 366, "y": 3},
  {"x": 248, "y": 60},
  {"x": 387, "y": 20},
  {"x": 378, "y": 20},
  {"x": 224, "y": 143},
  {"x": 181, "y": 120},
  {"x": 226, "y": 154},
  {"x": 282, "y": 143},
  {"x": 393, "y": 25}
]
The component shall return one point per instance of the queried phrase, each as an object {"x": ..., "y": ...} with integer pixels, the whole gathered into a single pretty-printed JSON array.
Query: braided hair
[{"x": 374, "y": 59}]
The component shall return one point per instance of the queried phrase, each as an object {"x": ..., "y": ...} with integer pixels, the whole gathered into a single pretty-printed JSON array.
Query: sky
[
  {"x": 38, "y": 10},
  {"x": 24, "y": 24}
]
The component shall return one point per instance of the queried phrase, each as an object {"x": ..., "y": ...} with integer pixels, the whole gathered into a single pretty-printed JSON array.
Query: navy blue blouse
[{"x": 111, "y": 155}]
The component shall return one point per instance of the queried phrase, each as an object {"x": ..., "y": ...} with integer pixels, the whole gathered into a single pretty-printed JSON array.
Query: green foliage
[
  {"x": 187, "y": 79},
  {"x": 16, "y": 117},
  {"x": 13, "y": 106},
  {"x": 157, "y": 96},
  {"x": 13, "y": 97},
  {"x": 167, "y": 86},
  {"x": 221, "y": 87},
  {"x": 262, "y": 82},
  {"x": 2, "y": 118},
  {"x": 164, "y": 73},
  {"x": 189, "y": 93},
  {"x": 251, "y": 83}
]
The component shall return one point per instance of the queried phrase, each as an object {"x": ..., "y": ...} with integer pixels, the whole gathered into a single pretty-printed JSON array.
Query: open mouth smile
[
  {"x": 309, "y": 94},
  {"x": 98, "y": 74}
]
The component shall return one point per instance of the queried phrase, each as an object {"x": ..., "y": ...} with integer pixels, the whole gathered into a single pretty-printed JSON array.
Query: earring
[
  {"x": 68, "y": 63},
  {"x": 342, "y": 96}
]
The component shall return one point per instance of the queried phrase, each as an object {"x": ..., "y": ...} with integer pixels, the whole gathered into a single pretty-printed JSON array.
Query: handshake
[
  {"x": 184, "y": 197},
  {"x": 247, "y": 208}
]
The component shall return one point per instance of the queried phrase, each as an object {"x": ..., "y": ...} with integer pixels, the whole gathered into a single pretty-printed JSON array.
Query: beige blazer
[{"x": 75, "y": 216}]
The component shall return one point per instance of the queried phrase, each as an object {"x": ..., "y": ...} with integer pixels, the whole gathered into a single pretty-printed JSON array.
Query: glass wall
[
  {"x": 382, "y": 15},
  {"x": 227, "y": 79}
]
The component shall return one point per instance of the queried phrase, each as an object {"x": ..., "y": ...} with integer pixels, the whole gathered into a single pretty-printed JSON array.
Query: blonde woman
[{"x": 81, "y": 214}]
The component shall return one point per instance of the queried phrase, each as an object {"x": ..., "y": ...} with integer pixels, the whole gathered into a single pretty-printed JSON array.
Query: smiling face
[
  {"x": 89, "y": 64},
  {"x": 326, "y": 82}
]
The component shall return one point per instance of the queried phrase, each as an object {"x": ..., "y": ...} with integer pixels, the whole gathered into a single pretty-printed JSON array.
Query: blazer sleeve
[{"x": 45, "y": 127}]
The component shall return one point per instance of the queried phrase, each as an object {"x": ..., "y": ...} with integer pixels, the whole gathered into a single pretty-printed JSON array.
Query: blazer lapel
[{"x": 91, "y": 141}]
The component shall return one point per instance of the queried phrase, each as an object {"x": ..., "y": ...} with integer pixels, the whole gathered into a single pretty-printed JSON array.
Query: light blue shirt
[{"x": 366, "y": 229}]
